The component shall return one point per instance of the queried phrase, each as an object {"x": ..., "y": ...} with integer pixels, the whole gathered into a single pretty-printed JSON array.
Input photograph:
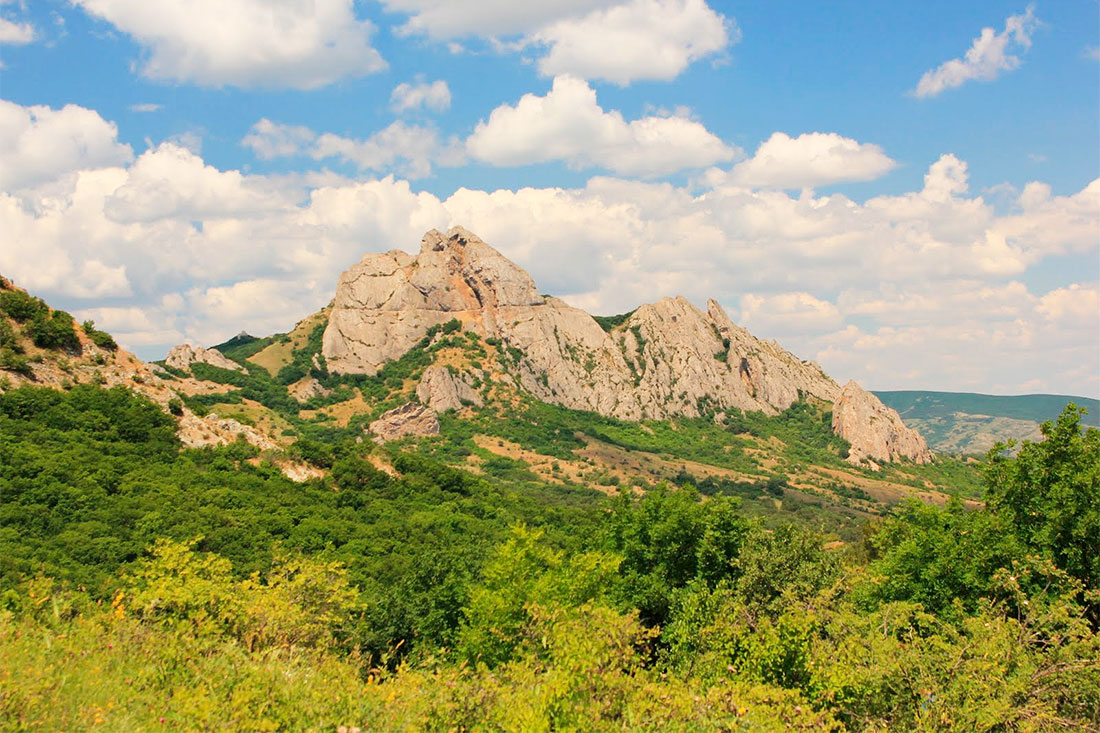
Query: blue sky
[{"x": 905, "y": 194}]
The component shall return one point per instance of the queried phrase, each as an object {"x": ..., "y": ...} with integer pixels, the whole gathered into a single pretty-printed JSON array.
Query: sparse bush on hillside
[
  {"x": 8, "y": 337},
  {"x": 20, "y": 306},
  {"x": 12, "y": 361},
  {"x": 102, "y": 339},
  {"x": 609, "y": 323},
  {"x": 53, "y": 331}
]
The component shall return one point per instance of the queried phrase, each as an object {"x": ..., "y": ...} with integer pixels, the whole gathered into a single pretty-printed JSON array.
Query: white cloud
[
  {"x": 568, "y": 125},
  {"x": 1077, "y": 304},
  {"x": 786, "y": 314},
  {"x": 928, "y": 288},
  {"x": 811, "y": 159},
  {"x": 170, "y": 182},
  {"x": 146, "y": 107},
  {"x": 436, "y": 95},
  {"x": 1092, "y": 52},
  {"x": 39, "y": 143},
  {"x": 16, "y": 34},
  {"x": 270, "y": 140},
  {"x": 443, "y": 19},
  {"x": 410, "y": 150},
  {"x": 642, "y": 39},
  {"x": 245, "y": 43},
  {"x": 986, "y": 58},
  {"x": 616, "y": 40}
]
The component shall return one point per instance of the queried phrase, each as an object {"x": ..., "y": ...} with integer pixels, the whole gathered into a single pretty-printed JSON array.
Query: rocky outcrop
[
  {"x": 385, "y": 304},
  {"x": 306, "y": 389},
  {"x": 183, "y": 356},
  {"x": 211, "y": 430},
  {"x": 875, "y": 431},
  {"x": 441, "y": 390},
  {"x": 298, "y": 471},
  {"x": 409, "y": 419},
  {"x": 668, "y": 359}
]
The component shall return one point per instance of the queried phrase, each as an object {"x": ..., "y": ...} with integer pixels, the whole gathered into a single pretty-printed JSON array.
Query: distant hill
[{"x": 966, "y": 422}]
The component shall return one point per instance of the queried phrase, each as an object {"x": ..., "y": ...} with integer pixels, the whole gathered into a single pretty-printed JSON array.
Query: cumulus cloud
[
  {"x": 410, "y": 150},
  {"x": 436, "y": 96},
  {"x": 16, "y": 34},
  {"x": 38, "y": 143},
  {"x": 443, "y": 19},
  {"x": 811, "y": 159},
  {"x": 618, "y": 41},
  {"x": 1077, "y": 304},
  {"x": 245, "y": 43},
  {"x": 568, "y": 125},
  {"x": 269, "y": 140},
  {"x": 787, "y": 314},
  {"x": 643, "y": 39},
  {"x": 170, "y": 182},
  {"x": 986, "y": 58}
]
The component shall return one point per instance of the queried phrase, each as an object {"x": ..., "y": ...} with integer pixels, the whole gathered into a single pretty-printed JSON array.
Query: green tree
[
  {"x": 940, "y": 556},
  {"x": 1050, "y": 492}
]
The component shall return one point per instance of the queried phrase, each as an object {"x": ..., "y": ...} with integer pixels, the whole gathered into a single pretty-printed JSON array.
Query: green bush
[
  {"x": 53, "y": 331},
  {"x": 102, "y": 339},
  {"x": 20, "y": 306}
]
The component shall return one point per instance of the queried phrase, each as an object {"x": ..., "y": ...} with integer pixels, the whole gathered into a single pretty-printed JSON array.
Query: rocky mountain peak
[
  {"x": 668, "y": 359},
  {"x": 875, "y": 431}
]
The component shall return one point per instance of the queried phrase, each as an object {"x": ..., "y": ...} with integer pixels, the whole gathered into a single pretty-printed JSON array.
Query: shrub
[
  {"x": 20, "y": 306},
  {"x": 53, "y": 331},
  {"x": 102, "y": 339}
]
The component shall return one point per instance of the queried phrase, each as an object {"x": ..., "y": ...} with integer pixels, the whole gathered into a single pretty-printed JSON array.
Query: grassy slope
[{"x": 790, "y": 466}]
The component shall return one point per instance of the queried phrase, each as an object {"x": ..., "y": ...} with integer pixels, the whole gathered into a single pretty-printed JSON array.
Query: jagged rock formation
[
  {"x": 441, "y": 390},
  {"x": 409, "y": 419},
  {"x": 183, "y": 356},
  {"x": 306, "y": 389},
  {"x": 875, "y": 431},
  {"x": 668, "y": 358},
  {"x": 211, "y": 430}
]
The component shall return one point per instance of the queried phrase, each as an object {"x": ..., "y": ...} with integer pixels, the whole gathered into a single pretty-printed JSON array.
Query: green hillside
[
  {"x": 1034, "y": 407},
  {"x": 529, "y": 567},
  {"x": 966, "y": 422}
]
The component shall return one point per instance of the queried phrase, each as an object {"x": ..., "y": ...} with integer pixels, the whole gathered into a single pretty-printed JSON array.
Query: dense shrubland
[{"x": 143, "y": 586}]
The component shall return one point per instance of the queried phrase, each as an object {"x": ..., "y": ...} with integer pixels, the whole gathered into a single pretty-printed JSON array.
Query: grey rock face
[
  {"x": 442, "y": 391},
  {"x": 409, "y": 419},
  {"x": 306, "y": 389},
  {"x": 875, "y": 431},
  {"x": 184, "y": 355},
  {"x": 668, "y": 359}
]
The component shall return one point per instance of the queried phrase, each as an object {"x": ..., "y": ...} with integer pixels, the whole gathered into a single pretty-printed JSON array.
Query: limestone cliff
[
  {"x": 874, "y": 430},
  {"x": 668, "y": 359},
  {"x": 183, "y": 356}
]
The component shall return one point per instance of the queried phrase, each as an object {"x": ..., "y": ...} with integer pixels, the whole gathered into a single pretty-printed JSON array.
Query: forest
[{"x": 146, "y": 587}]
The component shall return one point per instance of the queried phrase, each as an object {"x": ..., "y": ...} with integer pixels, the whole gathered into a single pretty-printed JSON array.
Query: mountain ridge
[
  {"x": 664, "y": 359},
  {"x": 972, "y": 422}
]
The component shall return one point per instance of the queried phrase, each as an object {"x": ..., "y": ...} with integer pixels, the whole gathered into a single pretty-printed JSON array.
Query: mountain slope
[{"x": 966, "y": 422}]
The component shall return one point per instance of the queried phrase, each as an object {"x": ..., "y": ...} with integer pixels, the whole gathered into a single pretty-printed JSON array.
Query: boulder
[
  {"x": 306, "y": 389},
  {"x": 409, "y": 419},
  {"x": 183, "y": 356}
]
